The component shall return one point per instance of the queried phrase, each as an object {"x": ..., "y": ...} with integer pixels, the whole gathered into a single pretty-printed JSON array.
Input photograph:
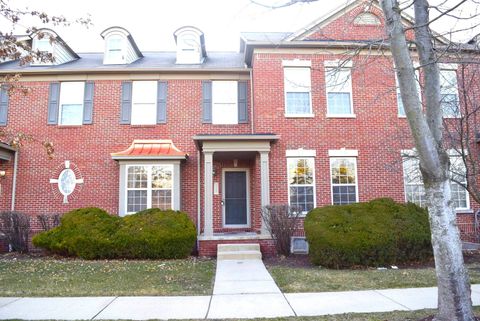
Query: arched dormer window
[
  {"x": 190, "y": 45},
  {"x": 120, "y": 48},
  {"x": 114, "y": 50},
  {"x": 367, "y": 19},
  {"x": 47, "y": 41}
]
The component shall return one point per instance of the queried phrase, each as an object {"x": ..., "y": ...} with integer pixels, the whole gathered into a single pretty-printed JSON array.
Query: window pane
[
  {"x": 338, "y": 80},
  {"x": 137, "y": 177},
  {"x": 71, "y": 114},
  {"x": 161, "y": 177},
  {"x": 401, "y": 110},
  {"x": 144, "y": 114},
  {"x": 343, "y": 171},
  {"x": 72, "y": 92},
  {"x": 298, "y": 103},
  {"x": 301, "y": 171},
  {"x": 297, "y": 79},
  {"x": 224, "y": 102},
  {"x": 44, "y": 44},
  {"x": 136, "y": 200},
  {"x": 459, "y": 196},
  {"x": 450, "y": 105},
  {"x": 339, "y": 103},
  {"x": 144, "y": 92},
  {"x": 344, "y": 195},
  {"x": 302, "y": 197},
  {"x": 162, "y": 199}
]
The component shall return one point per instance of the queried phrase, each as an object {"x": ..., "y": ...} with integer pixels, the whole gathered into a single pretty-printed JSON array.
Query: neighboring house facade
[{"x": 218, "y": 135}]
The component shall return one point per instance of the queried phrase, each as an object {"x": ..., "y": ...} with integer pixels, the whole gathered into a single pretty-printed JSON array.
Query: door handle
[{"x": 222, "y": 202}]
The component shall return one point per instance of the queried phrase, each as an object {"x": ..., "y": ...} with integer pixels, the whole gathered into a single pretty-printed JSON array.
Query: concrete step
[
  {"x": 238, "y": 247},
  {"x": 239, "y": 255}
]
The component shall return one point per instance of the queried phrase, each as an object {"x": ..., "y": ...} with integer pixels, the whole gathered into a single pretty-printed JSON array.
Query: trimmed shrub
[
  {"x": 86, "y": 232},
  {"x": 91, "y": 233},
  {"x": 154, "y": 234},
  {"x": 374, "y": 233}
]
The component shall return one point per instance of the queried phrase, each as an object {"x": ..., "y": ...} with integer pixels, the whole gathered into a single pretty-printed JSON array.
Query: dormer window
[
  {"x": 120, "y": 48},
  {"x": 114, "y": 51},
  {"x": 54, "y": 51},
  {"x": 190, "y": 45}
]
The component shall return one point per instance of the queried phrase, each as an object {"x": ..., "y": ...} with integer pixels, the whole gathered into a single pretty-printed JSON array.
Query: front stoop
[{"x": 245, "y": 251}]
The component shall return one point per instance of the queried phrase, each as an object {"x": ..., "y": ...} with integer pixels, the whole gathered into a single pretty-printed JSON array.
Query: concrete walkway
[{"x": 243, "y": 289}]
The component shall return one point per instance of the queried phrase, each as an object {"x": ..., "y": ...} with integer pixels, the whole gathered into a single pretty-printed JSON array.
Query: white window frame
[
  {"x": 451, "y": 91},
  {"x": 65, "y": 101},
  {"x": 219, "y": 119},
  {"x": 51, "y": 50},
  {"x": 295, "y": 159},
  {"x": 136, "y": 104},
  {"x": 189, "y": 48},
  {"x": 292, "y": 65},
  {"x": 411, "y": 154},
  {"x": 149, "y": 185},
  {"x": 335, "y": 67},
  {"x": 332, "y": 158},
  {"x": 108, "y": 58}
]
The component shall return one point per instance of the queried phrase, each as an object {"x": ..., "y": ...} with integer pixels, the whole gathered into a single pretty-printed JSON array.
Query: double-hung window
[
  {"x": 301, "y": 183},
  {"x": 144, "y": 103},
  {"x": 343, "y": 173},
  {"x": 149, "y": 186},
  {"x": 449, "y": 94},
  {"x": 338, "y": 83},
  {"x": 71, "y": 103},
  {"x": 413, "y": 182},
  {"x": 297, "y": 84},
  {"x": 224, "y": 102}
]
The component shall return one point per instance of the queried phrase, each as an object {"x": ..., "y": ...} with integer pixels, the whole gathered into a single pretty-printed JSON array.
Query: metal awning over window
[{"x": 150, "y": 150}]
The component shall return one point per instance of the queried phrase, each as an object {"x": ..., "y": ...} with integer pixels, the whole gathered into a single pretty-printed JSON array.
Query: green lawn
[
  {"x": 67, "y": 277},
  {"x": 317, "y": 279}
]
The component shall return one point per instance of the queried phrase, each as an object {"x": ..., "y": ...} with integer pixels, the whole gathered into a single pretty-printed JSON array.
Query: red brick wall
[{"x": 89, "y": 146}]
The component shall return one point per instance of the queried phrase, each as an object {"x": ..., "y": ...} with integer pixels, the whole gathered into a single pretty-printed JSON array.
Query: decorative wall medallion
[{"x": 68, "y": 180}]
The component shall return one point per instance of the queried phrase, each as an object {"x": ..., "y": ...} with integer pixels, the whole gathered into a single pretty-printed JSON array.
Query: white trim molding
[
  {"x": 296, "y": 63},
  {"x": 449, "y": 66},
  {"x": 338, "y": 63},
  {"x": 343, "y": 152},
  {"x": 301, "y": 152}
]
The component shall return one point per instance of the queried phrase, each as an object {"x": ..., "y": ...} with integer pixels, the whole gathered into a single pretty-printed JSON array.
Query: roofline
[
  {"x": 241, "y": 137},
  {"x": 251, "y": 45},
  {"x": 120, "y": 71}
]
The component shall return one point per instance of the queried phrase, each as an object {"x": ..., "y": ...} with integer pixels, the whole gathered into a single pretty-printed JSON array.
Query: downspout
[
  {"x": 252, "y": 125},
  {"x": 198, "y": 199},
  {"x": 14, "y": 183}
]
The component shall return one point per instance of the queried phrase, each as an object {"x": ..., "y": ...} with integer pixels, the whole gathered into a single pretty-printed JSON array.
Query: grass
[
  {"x": 68, "y": 277},
  {"x": 317, "y": 279}
]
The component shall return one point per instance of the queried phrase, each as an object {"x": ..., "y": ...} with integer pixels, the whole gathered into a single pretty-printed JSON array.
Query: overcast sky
[{"x": 152, "y": 22}]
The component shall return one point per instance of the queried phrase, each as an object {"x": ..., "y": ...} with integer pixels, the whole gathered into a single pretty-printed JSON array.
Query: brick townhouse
[{"x": 307, "y": 118}]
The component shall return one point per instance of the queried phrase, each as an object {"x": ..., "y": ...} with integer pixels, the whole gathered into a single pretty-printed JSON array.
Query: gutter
[{"x": 252, "y": 125}]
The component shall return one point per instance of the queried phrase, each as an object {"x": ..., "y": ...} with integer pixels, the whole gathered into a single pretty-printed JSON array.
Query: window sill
[
  {"x": 143, "y": 126},
  {"x": 299, "y": 115},
  {"x": 402, "y": 116},
  {"x": 341, "y": 116},
  {"x": 69, "y": 126},
  {"x": 452, "y": 117},
  {"x": 464, "y": 211}
]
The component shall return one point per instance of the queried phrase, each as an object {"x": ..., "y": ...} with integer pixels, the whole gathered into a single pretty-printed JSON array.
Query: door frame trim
[{"x": 247, "y": 187}]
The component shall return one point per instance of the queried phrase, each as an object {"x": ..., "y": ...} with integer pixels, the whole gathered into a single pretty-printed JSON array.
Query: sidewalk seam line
[
  {"x": 106, "y": 306},
  {"x": 288, "y": 302},
  {"x": 377, "y": 291},
  {"x": 17, "y": 299},
  {"x": 208, "y": 309}
]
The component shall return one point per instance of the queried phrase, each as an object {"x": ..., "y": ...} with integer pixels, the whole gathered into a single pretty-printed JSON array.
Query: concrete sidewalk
[{"x": 243, "y": 289}]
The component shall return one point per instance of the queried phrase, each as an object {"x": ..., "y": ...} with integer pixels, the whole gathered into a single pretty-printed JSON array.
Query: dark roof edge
[{"x": 123, "y": 70}]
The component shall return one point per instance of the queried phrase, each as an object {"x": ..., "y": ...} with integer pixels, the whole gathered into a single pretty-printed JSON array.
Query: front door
[{"x": 235, "y": 198}]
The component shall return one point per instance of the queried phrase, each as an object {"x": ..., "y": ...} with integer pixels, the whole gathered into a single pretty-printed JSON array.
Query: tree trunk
[{"x": 454, "y": 301}]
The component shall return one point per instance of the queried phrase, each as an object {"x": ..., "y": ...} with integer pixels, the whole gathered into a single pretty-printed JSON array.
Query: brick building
[{"x": 309, "y": 118}]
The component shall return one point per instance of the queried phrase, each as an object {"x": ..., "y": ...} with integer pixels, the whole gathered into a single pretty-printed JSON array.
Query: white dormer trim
[
  {"x": 124, "y": 50},
  {"x": 190, "y": 45}
]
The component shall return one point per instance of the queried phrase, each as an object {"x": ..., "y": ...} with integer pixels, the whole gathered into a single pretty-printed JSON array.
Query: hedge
[
  {"x": 92, "y": 233},
  {"x": 376, "y": 233}
]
